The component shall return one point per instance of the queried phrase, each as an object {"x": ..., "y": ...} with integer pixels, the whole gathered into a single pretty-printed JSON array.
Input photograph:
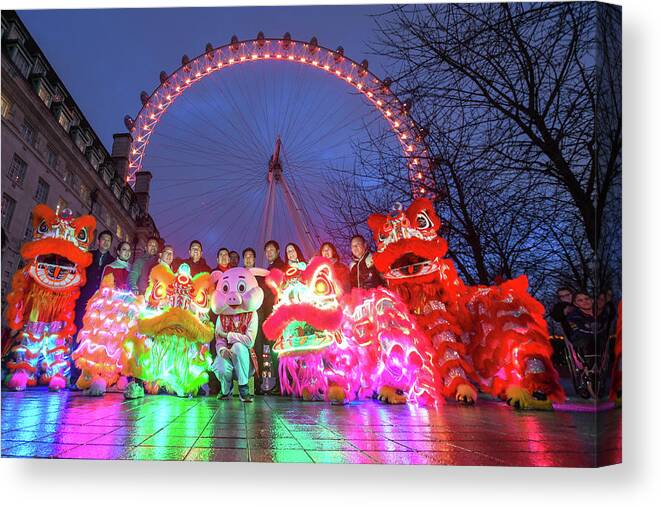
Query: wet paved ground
[{"x": 37, "y": 423}]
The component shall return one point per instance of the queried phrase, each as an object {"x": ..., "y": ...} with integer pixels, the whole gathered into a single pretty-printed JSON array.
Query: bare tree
[{"x": 522, "y": 106}]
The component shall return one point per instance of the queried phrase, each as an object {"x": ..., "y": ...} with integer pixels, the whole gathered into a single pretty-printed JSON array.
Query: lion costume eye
[
  {"x": 201, "y": 299},
  {"x": 422, "y": 221},
  {"x": 322, "y": 285},
  {"x": 159, "y": 291},
  {"x": 82, "y": 236},
  {"x": 42, "y": 228}
]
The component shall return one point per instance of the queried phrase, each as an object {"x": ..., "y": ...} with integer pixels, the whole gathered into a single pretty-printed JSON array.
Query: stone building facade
[{"x": 50, "y": 154}]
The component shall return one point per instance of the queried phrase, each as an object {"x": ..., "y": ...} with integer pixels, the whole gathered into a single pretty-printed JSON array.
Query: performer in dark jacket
[
  {"x": 195, "y": 261},
  {"x": 139, "y": 277},
  {"x": 101, "y": 257},
  {"x": 272, "y": 254},
  {"x": 363, "y": 272}
]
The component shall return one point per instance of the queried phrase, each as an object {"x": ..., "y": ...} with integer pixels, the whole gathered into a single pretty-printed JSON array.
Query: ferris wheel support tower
[{"x": 276, "y": 178}]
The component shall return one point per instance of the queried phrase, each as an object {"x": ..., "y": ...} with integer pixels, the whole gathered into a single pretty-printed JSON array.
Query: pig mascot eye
[
  {"x": 241, "y": 287},
  {"x": 225, "y": 288}
]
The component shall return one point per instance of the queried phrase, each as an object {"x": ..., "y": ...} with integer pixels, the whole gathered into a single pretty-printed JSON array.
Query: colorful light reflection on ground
[{"x": 37, "y": 423}]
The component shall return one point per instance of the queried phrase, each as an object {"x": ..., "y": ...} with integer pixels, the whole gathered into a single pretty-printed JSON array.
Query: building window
[
  {"x": 85, "y": 194},
  {"x": 22, "y": 63},
  {"x": 8, "y": 207},
  {"x": 64, "y": 122},
  {"x": 81, "y": 142},
  {"x": 6, "y": 108},
  {"x": 29, "y": 133},
  {"x": 44, "y": 95},
  {"x": 61, "y": 204},
  {"x": 17, "y": 170},
  {"x": 52, "y": 157},
  {"x": 41, "y": 195},
  {"x": 29, "y": 230}
]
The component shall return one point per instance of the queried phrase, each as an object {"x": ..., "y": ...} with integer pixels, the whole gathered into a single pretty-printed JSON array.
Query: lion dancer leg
[
  {"x": 26, "y": 358},
  {"x": 524, "y": 374},
  {"x": 454, "y": 370},
  {"x": 55, "y": 362}
]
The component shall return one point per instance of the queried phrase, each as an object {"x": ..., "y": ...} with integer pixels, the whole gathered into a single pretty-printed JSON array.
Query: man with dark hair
[
  {"x": 195, "y": 261},
  {"x": 139, "y": 277},
  {"x": 272, "y": 254},
  {"x": 223, "y": 260},
  {"x": 101, "y": 257},
  {"x": 249, "y": 257},
  {"x": 167, "y": 256},
  {"x": 234, "y": 259},
  {"x": 362, "y": 271},
  {"x": 263, "y": 374},
  {"x": 562, "y": 308},
  {"x": 267, "y": 358}
]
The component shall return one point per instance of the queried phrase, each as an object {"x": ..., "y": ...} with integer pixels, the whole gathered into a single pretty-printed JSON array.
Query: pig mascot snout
[{"x": 236, "y": 300}]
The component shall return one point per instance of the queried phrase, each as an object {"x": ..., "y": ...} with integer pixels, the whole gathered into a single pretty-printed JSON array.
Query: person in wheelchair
[{"x": 587, "y": 333}]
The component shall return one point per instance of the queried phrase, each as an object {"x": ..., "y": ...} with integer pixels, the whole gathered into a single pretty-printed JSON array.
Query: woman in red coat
[
  {"x": 120, "y": 267},
  {"x": 340, "y": 270}
]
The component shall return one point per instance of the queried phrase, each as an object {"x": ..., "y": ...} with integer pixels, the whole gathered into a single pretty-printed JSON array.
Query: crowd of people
[{"x": 134, "y": 277}]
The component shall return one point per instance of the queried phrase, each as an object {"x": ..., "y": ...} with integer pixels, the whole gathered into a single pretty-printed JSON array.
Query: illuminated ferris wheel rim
[{"x": 332, "y": 62}]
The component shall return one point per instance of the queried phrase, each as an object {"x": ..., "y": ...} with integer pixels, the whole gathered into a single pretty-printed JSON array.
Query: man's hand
[{"x": 225, "y": 353}]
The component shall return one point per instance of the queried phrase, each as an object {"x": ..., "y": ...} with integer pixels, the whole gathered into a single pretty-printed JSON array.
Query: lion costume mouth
[
  {"x": 175, "y": 322},
  {"x": 303, "y": 327},
  {"x": 411, "y": 265},
  {"x": 55, "y": 271},
  {"x": 300, "y": 336}
]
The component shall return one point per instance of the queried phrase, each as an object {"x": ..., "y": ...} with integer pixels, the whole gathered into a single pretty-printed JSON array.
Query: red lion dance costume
[
  {"x": 339, "y": 347},
  {"x": 43, "y": 296},
  {"x": 494, "y": 337}
]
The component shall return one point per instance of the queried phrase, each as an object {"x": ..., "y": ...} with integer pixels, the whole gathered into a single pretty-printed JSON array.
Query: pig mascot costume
[{"x": 236, "y": 300}]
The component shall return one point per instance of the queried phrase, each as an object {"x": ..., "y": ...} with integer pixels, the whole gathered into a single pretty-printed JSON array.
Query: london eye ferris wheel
[{"x": 257, "y": 139}]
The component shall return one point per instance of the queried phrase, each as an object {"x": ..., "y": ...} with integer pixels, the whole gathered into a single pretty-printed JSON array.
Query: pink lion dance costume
[
  {"x": 44, "y": 293},
  {"x": 493, "y": 337},
  {"x": 341, "y": 348},
  {"x": 111, "y": 312}
]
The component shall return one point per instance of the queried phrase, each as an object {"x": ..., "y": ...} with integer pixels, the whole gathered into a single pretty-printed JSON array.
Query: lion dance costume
[
  {"x": 43, "y": 296},
  {"x": 494, "y": 337},
  {"x": 342, "y": 347},
  {"x": 110, "y": 314},
  {"x": 168, "y": 346},
  {"x": 161, "y": 338}
]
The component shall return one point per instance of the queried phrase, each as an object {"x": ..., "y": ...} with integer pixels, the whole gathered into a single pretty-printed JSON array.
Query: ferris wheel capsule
[
  {"x": 234, "y": 43},
  {"x": 129, "y": 123},
  {"x": 208, "y": 50},
  {"x": 185, "y": 61},
  {"x": 163, "y": 77},
  {"x": 260, "y": 39},
  {"x": 363, "y": 68},
  {"x": 339, "y": 54},
  {"x": 385, "y": 84},
  {"x": 286, "y": 40},
  {"x": 144, "y": 97},
  {"x": 313, "y": 45}
]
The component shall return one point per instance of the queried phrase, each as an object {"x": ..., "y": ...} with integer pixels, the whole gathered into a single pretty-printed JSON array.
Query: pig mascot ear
[
  {"x": 259, "y": 271},
  {"x": 215, "y": 276}
]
